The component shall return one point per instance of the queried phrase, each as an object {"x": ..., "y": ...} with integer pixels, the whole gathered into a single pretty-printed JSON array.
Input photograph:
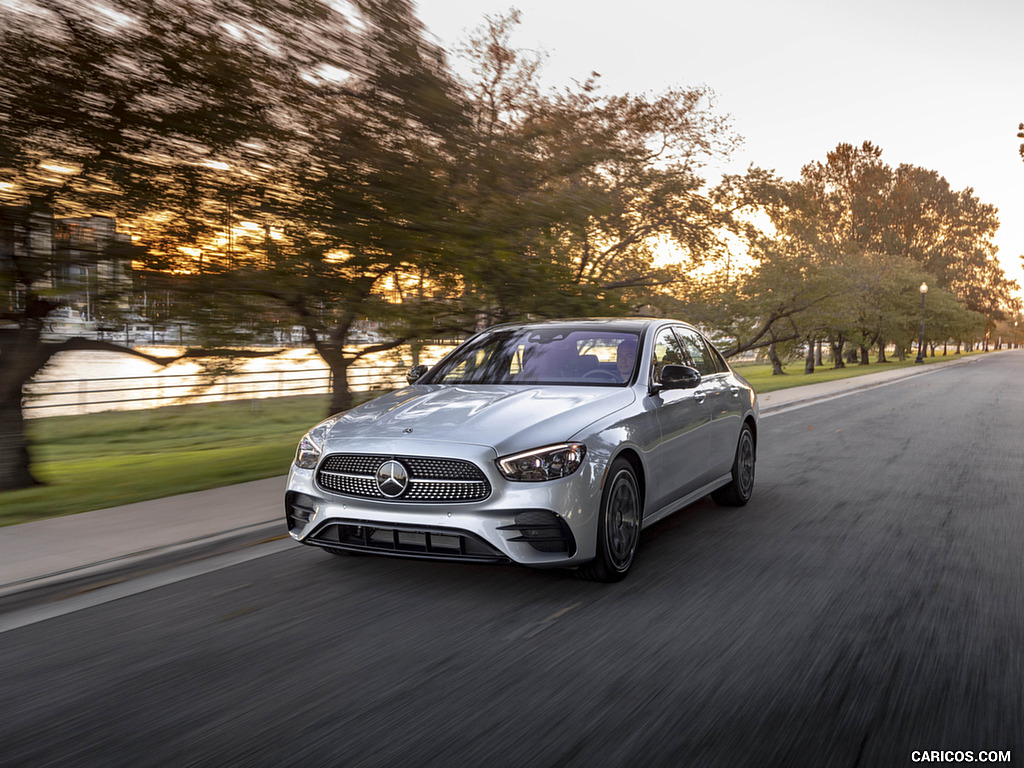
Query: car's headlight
[
  {"x": 540, "y": 464},
  {"x": 312, "y": 443}
]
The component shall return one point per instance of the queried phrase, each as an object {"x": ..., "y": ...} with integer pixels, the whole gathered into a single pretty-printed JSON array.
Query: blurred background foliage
[{"x": 317, "y": 165}]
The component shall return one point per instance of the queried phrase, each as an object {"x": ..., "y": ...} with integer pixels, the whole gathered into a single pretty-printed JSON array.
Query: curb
[{"x": 85, "y": 578}]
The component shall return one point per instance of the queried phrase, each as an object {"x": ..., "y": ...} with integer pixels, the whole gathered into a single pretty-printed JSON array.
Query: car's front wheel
[
  {"x": 618, "y": 529},
  {"x": 741, "y": 487}
]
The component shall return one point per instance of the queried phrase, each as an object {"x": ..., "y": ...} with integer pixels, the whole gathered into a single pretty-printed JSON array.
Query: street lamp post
[{"x": 920, "y": 335}]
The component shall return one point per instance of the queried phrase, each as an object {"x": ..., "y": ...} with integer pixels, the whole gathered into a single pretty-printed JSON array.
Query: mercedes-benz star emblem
[{"x": 392, "y": 479}]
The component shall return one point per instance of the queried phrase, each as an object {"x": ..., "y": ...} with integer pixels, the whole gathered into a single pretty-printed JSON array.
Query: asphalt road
[{"x": 866, "y": 605}]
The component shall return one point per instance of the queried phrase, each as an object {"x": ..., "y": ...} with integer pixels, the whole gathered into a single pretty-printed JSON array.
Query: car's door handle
[
  {"x": 699, "y": 396},
  {"x": 735, "y": 391}
]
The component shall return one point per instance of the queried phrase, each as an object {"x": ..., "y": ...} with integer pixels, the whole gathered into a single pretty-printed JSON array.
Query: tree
[
  {"x": 364, "y": 223},
  {"x": 846, "y": 245},
  {"x": 578, "y": 190},
  {"x": 793, "y": 278},
  {"x": 168, "y": 116}
]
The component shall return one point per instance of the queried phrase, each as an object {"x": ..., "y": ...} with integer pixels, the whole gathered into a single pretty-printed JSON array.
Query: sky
[{"x": 936, "y": 83}]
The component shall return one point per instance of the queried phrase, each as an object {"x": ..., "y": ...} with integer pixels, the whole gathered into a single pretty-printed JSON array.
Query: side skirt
[{"x": 675, "y": 506}]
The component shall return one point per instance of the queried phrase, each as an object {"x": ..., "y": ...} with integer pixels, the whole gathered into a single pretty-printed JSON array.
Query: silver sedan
[{"x": 545, "y": 444}]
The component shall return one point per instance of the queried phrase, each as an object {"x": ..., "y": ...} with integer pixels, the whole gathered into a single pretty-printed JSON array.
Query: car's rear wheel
[
  {"x": 618, "y": 529},
  {"x": 741, "y": 487}
]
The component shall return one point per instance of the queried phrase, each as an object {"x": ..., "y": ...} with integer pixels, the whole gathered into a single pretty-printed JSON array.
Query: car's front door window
[{"x": 667, "y": 351}]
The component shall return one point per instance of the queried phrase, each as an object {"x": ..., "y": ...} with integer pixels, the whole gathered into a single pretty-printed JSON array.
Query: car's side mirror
[
  {"x": 415, "y": 373},
  {"x": 679, "y": 377}
]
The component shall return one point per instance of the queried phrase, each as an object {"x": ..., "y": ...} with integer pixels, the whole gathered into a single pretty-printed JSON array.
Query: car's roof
[{"x": 634, "y": 324}]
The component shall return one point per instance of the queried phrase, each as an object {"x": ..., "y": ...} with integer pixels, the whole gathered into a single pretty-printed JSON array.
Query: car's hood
[{"x": 507, "y": 418}]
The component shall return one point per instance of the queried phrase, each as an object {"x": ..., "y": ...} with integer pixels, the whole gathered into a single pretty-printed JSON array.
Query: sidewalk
[
  {"x": 61, "y": 555},
  {"x": 51, "y": 558}
]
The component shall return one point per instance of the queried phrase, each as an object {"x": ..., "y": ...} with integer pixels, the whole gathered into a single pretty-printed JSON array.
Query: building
[
  {"x": 83, "y": 264},
  {"x": 92, "y": 266},
  {"x": 26, "y": 253}
]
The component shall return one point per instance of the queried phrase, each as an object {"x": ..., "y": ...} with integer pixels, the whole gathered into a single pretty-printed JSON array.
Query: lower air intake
[{"x": 406, "y": 541}]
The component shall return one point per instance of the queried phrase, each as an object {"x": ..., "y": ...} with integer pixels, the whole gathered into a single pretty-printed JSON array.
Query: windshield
[{"x": 548, "y": 355}]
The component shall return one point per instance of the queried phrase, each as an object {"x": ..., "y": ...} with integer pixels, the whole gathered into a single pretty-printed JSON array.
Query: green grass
[
  {"x": 107, "y": 459},
  {"x": 761, "y": 379}
]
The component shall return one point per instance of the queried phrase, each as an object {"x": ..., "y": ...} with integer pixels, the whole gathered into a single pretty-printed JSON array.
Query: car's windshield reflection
[{"x": 555, "y": 356}]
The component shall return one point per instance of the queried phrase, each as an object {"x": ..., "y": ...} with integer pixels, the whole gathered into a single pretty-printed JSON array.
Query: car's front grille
[
  {"x": 405, "y": 541},
  {"x": 428, "y": 479}
]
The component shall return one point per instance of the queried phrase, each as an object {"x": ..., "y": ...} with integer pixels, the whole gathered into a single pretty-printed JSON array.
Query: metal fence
[{"x": 53, "y": 397}]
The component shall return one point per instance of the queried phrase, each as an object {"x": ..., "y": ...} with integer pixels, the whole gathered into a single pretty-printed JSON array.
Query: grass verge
[
  {"x": 761, "y": 379},
  {"x": 108, "y": 459}
]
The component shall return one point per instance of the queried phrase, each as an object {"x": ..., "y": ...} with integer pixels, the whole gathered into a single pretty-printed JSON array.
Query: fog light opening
[
  {"x": 543, "y": 530},
  {"x": 299, "y": 509}
]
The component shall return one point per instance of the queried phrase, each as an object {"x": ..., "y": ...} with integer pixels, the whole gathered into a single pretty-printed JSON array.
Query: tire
[
  {"x": 618, "y": 527},
  {"x": 741, "y": 487}
]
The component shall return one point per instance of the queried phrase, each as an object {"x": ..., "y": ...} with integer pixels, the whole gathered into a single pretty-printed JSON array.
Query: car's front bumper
[{"x": 539, "y": 524}]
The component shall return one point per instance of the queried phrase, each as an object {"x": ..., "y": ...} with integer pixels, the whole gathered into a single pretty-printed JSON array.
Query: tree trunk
[
  {"x": 809, "y": 357},
  {"x": 837, "y": 353},
  {"x": 22, "y": 355},
  {"x": 341, "y": 395},
  {"x": 773, "y": 355},
  {"x": 817, "y": 352},
  {"x": 15, "y": 463},
  {"x": 881, "y": 351},
  {"x": 342, "y": 398}
]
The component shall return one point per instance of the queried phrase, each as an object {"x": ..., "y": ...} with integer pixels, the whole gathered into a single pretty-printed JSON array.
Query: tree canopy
[
  {"x": 845, "y": 249},
  {"x": 314, "y": 164}
]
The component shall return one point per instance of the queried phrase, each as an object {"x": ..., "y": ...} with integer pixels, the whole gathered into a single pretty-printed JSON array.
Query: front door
[
  {"x": 723, "y": 400},
  {"x": 684, "y": 416}
]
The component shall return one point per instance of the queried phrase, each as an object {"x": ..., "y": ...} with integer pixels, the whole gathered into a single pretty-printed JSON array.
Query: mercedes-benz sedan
[{"x": 544, "y": 444}]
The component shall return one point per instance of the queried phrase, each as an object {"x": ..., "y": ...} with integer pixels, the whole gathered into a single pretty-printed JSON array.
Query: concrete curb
[{"x": 96, "y": 575}]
